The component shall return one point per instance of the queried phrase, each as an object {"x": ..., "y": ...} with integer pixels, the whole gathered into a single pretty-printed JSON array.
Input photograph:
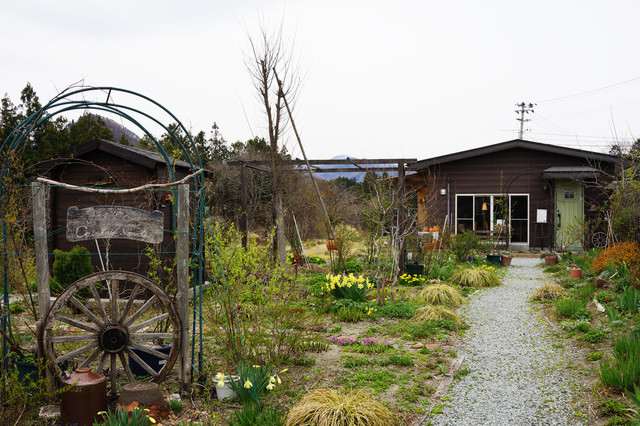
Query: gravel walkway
[{"x": 516, "y": 374}]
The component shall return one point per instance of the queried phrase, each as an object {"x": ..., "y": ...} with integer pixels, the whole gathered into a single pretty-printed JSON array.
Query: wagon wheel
[
  {"x": 599, "y": 239},
  {"x": 83, "y": 330}
]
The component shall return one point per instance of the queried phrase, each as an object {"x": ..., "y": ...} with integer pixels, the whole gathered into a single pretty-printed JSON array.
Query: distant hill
[
  {"x": 357, "y": 175},
  {"x": 118, "y": 130}
]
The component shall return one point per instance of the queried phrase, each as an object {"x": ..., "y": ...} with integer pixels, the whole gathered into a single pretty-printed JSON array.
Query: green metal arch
[{"x": 63, "y": 103}]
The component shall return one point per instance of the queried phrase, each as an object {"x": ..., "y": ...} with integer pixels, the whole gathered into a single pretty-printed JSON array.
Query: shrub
[
  {"x": 464, "y": 244},
  {"x": 347, "y": 286},
  {"x": 68, "y": 267},
  {"x": 397, "y": 310},
  {"x": 441, "y": 294},
  {"x": 624, "y": 372},
  {"x": 549, "y": 291},
  {"x": 628, "y": 252},
  {"x": 479, "y": 277},
  {"x": 353, "y": 266},
  {"x": 432, "y": 313},
  {"x": 568, "y": 307},
  {"x": 328, "y": 407}
]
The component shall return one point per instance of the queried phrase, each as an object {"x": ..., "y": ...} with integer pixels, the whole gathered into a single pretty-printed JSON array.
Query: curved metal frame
[{"x": 64, "y": 102}]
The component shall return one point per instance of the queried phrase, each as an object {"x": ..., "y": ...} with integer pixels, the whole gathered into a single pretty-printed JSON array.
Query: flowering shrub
[
  {"x": 627, "y": 252},
  {"x": 408, "y": 279},
  {"x": 347, "y": 286}
]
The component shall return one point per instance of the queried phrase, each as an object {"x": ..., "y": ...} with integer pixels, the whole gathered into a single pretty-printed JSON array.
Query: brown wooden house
[
  {"x": 533, "y": 194},
  {"x": 108, "y": 164}
]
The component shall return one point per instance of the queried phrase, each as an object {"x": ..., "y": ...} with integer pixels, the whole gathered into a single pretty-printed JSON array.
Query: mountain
[{"x": 118, "y": 130}]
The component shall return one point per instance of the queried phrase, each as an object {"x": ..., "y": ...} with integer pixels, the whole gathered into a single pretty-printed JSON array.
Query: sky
[{"x": 402, "y": 79}]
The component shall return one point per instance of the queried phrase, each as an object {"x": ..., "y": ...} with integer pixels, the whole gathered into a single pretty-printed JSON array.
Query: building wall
[{"x": 514, "y": 171}]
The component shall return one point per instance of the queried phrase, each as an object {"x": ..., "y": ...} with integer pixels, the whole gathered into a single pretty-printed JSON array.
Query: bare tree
[{"x": 268, "y": 52}]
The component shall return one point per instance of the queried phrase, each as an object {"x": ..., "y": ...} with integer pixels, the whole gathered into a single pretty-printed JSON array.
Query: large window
[{"x": 487, "y": 213}]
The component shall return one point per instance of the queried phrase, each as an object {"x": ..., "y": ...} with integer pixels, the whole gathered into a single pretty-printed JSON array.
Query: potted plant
[
  {"x": 549, "y": 258},
  {"x": 224, "y": 390},
  {"x": 505, "y": 258}
]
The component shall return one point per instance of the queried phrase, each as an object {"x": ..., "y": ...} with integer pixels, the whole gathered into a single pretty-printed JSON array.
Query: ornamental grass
[
  {"x": 433, "y": 313},
  {"x": 549, "y": 291},
  {"x": 478, "y": 277},
  {"x": 329, "y": 407},
  {"x": 441, "y": 294}
]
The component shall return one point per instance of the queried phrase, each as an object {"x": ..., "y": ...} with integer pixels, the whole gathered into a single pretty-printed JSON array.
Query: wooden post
[
  {"x": 244, "y": 219},
  {"x": 38, "y": 192},
  {"x": 182, "y": 249},
  {"x": 402, "y": 213}
]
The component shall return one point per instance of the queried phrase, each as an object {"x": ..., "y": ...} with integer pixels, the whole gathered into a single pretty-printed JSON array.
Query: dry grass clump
[
  {"x": 549, "y": 291},
  {"x": 478, "y": 277},
  {"x": 328, "y": 407},
  {"x": 432, "y": 313},
  {"x": 441, "y": 294}
]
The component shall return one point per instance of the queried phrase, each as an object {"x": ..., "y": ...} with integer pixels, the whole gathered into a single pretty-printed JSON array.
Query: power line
[
  {"x": 590, "y": 92},
  {"x": 524, "y": 108}
]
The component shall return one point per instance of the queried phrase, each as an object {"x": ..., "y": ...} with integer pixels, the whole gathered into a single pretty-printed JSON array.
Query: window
[{"x": 497, "y": 213}]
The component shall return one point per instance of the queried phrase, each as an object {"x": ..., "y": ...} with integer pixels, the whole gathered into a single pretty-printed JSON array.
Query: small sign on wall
[{"x": 541, "y": 217}]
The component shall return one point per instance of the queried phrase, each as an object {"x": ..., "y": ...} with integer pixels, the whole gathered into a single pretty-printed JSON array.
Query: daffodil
[
  {"x": 248, "y": 384},
  {"x": 270, "y": 386},
  {"x": 272, "y": 379}
]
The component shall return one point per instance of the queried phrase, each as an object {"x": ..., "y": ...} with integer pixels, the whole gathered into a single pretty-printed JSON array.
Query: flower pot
[
  {"x": 495, "y": 258},
  {"x": 576, "y": 273},
  {"x": 27, "y": 372},
  {"x": 331, "y": 244},
  {"x": 225, "y": 392},
  {"x": 551, "y": 260},
  {"x": 156, "y": 363},
  {"x": 505, "y": 260}
]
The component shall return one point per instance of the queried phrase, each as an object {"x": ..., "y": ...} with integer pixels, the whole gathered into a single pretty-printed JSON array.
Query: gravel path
[{"x": 517, "y": 374}]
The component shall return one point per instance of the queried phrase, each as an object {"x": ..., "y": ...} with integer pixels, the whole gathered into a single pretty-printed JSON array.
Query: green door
[{"x": 569, "y": 213}]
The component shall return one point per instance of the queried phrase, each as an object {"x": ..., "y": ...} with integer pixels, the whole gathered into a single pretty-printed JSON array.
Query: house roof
[
  {"x": 516, "y": 143},
  {"x": 571, "y": 172},
  {"x": 140, "y": 156}
]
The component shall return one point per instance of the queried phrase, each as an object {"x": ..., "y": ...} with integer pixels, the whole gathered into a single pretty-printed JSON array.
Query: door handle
[{"x": 559, "y": 219}]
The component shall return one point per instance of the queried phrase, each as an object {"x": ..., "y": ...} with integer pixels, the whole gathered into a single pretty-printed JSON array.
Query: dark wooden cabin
[
  {"x": 550, "y": 191},
  {"x": 111, "y": 165}
]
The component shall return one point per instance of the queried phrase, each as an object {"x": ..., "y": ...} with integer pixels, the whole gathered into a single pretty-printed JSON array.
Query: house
[
  {"x": 529, "y": 193},
  {"x": 102, "y": 163}
]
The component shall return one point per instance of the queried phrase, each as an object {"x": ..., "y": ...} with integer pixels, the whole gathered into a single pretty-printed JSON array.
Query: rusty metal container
[{"x": 80, "y": 405}]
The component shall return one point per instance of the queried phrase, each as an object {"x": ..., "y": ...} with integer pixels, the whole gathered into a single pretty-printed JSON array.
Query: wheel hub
[{"x": 113, "y": 338}]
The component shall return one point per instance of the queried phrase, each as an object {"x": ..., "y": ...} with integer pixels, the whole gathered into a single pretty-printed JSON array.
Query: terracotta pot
[
  {"x": 331, "y": 244},
  {"x": 551, "y": 260},
  {"x": 505, "y": 260},
  {"x": 576, "y": 273}
]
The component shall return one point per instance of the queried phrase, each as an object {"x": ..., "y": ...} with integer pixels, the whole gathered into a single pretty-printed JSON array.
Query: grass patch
[
  {"x": 433, "y": 313},
  {"x": 549, "y": 291},
  {"x": 397, "y": 310},
  {"x": 567, "y": 307},
  {"x": 441, "y": 294},
  {"x": 373, "y": 378},
  {"x": 398, "y": 360}
]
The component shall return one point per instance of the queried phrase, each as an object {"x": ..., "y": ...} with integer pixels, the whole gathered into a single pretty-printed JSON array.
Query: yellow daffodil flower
[{"x": 248, "y": 384}]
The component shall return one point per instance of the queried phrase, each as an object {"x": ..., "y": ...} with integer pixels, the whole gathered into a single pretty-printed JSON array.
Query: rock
[
  {"x": 418, "y": 346},
  {"x": 49, "y": 411}
]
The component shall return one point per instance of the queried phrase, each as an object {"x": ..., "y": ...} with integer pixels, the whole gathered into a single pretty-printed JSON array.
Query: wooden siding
[{"x": 514, "y": 171}]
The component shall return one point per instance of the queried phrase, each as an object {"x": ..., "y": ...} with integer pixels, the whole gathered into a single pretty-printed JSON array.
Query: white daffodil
[{"x": 248, "y": 384}]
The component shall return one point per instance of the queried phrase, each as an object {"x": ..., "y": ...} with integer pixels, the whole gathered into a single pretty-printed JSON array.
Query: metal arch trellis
[{"x": 64, "y": 102}]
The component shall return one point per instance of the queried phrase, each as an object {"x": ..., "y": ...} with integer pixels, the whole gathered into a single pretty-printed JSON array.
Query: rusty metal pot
[{"x": 87, "y": 396}]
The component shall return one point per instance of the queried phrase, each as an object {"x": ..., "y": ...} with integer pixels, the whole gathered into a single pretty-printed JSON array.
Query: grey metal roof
[
  {"x": 516, "y": 143},
  {"x": 570, "y": 172},
  {"x": 155, "y": 156}
]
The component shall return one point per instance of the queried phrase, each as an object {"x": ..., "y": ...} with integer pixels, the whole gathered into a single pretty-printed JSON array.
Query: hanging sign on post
[{"x": 119, "y": 222}]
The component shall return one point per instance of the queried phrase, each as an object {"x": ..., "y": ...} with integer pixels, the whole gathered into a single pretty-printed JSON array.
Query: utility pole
[{"x": 524, "y": 108}]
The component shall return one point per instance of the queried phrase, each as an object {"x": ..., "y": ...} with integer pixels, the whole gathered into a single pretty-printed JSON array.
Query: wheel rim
[
  {"x": 83, "y": 329},
  {"x": 599, "y": 239}
]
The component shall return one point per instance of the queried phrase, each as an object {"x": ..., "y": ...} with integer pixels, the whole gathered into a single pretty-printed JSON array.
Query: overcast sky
[{"x": 411, "y": 79}]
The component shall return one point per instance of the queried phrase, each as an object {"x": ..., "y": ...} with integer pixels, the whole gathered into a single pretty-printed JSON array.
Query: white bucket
[{"x": 225, "y": 392}]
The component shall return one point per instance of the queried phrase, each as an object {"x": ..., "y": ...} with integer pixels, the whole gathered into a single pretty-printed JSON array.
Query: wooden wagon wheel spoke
[
  {"x": 78, "y": 324},
  {"x": 140, "y": 311},
  {"x": 148, "y": 350},
  {"x": 76, "y": 352},
  {"x": 111, "y": 333},
  {"x": 134, "y": 293},
  {"x": 148, "y": 323},
  {"x": 127, "y": 369},
  {"x": 114, "y": 300},
  {"x": 140, "y": 362},
  {"x": 96, "y": 298}
]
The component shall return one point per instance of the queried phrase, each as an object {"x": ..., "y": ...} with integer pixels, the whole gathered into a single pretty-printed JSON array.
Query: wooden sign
[{"x": 126, "y": 223}]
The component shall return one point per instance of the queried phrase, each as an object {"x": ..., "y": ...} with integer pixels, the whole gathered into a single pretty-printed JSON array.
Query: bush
[
  {"x": 627, "y": 252},
  {"x": 441, "y": 294},
  {"x": 328, "y": 407},
  {"x": 624, "y": 372},
  {"x": 465, "y": 244},
  {"x": 568, "y": 307},
  {"x": 478, "y": 277},
  {"x": 432, "y": 313},
  {"x": 548, "y": 291},
  {"x": 353, "y": 266},
  {"x": 69, "y": 267}
]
